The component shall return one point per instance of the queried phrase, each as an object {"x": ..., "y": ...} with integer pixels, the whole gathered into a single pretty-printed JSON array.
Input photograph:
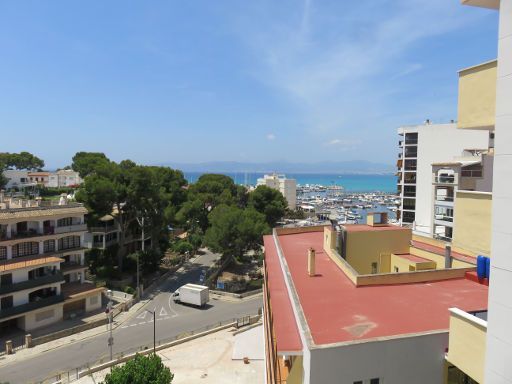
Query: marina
[{"x": 322, "y": 203}]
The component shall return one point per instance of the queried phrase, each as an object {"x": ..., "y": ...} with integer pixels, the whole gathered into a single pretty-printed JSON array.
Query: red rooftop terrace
[{"x": 330, "y": 308}]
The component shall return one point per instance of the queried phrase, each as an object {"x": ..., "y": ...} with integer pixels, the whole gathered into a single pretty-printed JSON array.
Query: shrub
[{"x": 141, "y": 370}]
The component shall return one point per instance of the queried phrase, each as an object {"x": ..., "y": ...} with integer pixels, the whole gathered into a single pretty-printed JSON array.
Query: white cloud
[
  {"x": 331, "y": 59},
  {"x": 271, "y": 136},
  {"x": 343, "y": 144}
]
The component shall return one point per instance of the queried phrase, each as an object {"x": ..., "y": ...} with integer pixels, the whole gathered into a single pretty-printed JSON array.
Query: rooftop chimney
[{"x": 311, "y": 262}]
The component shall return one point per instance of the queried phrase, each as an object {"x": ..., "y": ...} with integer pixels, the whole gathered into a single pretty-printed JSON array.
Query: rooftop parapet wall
[{"x": 387, "y": 278}]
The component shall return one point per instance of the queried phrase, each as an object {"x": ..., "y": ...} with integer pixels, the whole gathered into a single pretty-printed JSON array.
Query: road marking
[
  {"x": 163, "y": 312},
  {"x": 142, "y": 315}
]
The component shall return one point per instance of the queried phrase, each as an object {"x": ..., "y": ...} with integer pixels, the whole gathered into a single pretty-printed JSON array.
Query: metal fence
[{"x": 73, "y": 375}]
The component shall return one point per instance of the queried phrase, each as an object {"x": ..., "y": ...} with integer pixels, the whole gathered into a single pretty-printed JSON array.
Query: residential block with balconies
[
  {"x": 42, "y": 265},
  {"x": 419, "y": 147}
]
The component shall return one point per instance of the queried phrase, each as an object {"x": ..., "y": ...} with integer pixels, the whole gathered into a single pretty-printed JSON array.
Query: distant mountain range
[{"x": 340, "y": 167}]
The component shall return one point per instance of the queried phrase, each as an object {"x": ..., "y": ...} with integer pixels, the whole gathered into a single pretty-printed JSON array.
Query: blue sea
[{"x": 351, "y": 183}]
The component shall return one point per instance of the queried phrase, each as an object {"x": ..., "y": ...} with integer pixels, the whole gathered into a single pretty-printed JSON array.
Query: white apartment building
[
  {"x": 42, "y": 264},
  {"x": 17, "y": 179},
  {"x": 421, "y": 146},
  {"x": 287, "y": 187},
  {"x": 64, "y": 178}
]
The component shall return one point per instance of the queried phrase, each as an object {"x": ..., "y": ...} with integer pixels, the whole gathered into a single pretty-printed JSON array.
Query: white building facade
[
  {"x": 499, "y": 333},
  {"x": 287, "y": 187},
  {"x": 421, "y": 146}
]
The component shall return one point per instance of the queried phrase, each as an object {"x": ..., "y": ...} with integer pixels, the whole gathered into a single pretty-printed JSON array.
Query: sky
[{"x": 229, "y": 80}]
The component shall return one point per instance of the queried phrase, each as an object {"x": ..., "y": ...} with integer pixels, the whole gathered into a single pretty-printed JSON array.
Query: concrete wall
[
  {"x": 405, "y": 265},
  {"x": 366, "y": 247},
  {"x": 416, "y": 359},
  {"x": 499, "y": 331},
  {"x": 466, "y": 348},
  {"x": 93, "y": 302},
  {"x": 472, "y": 221},
  {"x": 43, "y": 317},
  {"x": 438, "y": 143},
  {"x": 477, "y": 96}
]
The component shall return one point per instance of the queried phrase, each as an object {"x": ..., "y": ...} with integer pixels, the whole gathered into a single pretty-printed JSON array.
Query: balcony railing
[
  {"x": 14, "y": 235},
  {"x": 70, "y": 265},
  {"x": 444, "y": 198},
  {"x": 444, "y": 218},
  {"x": 38, "y": 281},
  {"x": 442, "y": 237},
  {"x": 71, "y": 228},
  {"x": 109, "y": 228},
  {"x": 19, "y": 309},
  {"x": 445, "y": 179}
]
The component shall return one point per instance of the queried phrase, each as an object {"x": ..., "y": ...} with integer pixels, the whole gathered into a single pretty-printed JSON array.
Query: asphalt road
[{"x": 171, "y": 320}]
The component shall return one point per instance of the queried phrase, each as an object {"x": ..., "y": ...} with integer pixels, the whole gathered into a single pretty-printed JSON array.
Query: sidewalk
[
  {"x": 209, "y": 359},
  {"x": 27, "y": 353}
]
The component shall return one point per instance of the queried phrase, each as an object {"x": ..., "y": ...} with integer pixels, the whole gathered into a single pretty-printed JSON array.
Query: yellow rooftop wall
[
  {"x": 477, "y": 96},
  {"x": 472, "y": 222},
  {"x": 366, "y": 247},
  {"x": 467, "y": 345}
]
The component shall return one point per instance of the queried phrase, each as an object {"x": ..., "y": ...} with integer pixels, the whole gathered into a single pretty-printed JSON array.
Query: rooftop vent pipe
[
  {"x": 448, "y": 256},
  {"x": 311, "y": 262}
]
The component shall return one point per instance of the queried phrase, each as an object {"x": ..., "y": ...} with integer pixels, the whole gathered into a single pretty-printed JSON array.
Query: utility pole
[
  {"x": 154, "y": 329},
  {"x": 141, "y": 223},
  {"x": 109, "y": 314}
]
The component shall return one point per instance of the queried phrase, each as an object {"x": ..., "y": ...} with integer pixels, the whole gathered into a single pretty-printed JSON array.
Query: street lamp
[
  {"x": 154, "y": 329},
  {"x": 109, "y": 313},
  {"x": 141, "y": 223}
]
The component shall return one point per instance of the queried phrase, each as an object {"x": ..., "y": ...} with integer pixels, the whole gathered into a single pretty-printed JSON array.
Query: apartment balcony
[
  {"x": 71, "y": 228},
  {"x": 445, "y": 179},
  {"x": 32, "y": 283},
  {"x": 444, "y": 201},
  {"x": 104, "y": 229},
  {"x": 41, "y": 303},
  {"x": 443, "y": 220},
  {"x": 70, "y": 266},
  {"x": 477, "y": 96},
  {"x": 467, "y": 343},
  {"x": 17, "y": 235}
]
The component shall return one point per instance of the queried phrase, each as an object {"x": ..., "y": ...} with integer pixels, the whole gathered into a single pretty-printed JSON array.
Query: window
[
  {"x": 6, "y": 302},
  {"x": 69, "y": 242},
  {"x": 49, "y": 246},
  {"x": 374, "y": 268},
  {"x": 6, "y": 280},
  {"x": 65, "y": 222},
  {"x": 3, "y": 253},
  {"x": 375, "y": 381},
  {"x": 358, "y": 382},
  {"x": 25, "y": 249}
]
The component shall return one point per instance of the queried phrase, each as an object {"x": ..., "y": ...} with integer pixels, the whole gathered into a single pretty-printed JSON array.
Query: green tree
[
  {"x": 22, "y": 160},
  {"x": 85, "y": 163},
  {"x": 182, "y": 247},
  {"x": 130, "y": 193},
  {"x": 234, "y": 231},
  {"x": 209, "y": 191},
  {"x": 141, "y": 370},
  {"x": 270, "y": 202}
]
